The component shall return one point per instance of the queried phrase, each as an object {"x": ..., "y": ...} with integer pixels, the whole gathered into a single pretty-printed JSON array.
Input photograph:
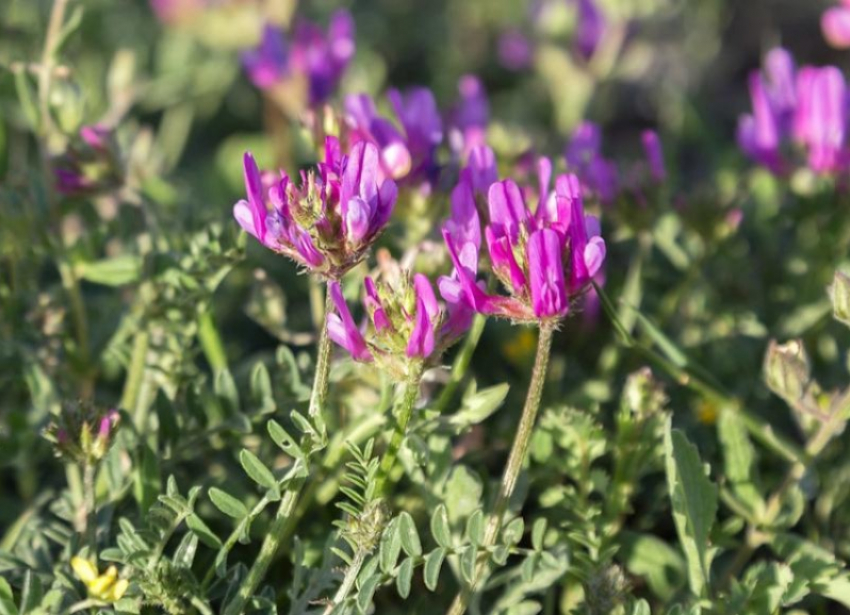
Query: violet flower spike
[
  {"x": 590, "y": 28},
  {"x": 654, "y": 155},
  {"x": 268, "y": 63},
  {"x": 421, "y": 343},
  {"x": 835, "y": 24}
]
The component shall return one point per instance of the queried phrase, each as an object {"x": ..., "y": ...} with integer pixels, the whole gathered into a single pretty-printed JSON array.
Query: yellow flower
[
  {"x": 107, "y": 586},
  {"x": 520, "y": 348},
  {"x": 707, "y": 413}
]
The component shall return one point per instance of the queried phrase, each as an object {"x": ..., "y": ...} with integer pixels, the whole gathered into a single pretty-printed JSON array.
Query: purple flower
[
  {"x": 267, "y": 64},
  {"x": 654, "y": 155},
  {"x": 821, "y": 117},
  {"x": 584, "y": 158},
  {"x": 835, "y": 23},
  {"x": 320, "y": 58},
  {"x": 529, "y": 253},
  {"x": 410, "y": 154},
  {"x": 469, "y": 118},
  {"x": 330, "y": 221},
  {"x": 482, "y": 169},
  {"x": 91, "y": 163},
  {"x": 590, "y": 28},
  {"x": 406, "y": 321},
  {"x": 515, "y": 50}
]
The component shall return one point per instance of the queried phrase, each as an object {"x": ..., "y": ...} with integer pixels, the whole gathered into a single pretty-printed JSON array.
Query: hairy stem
[
  {"x": 402, "y": 419},
  {"x": 285, "y": 516},
  {"x": 513, "y": 466},
  {"x": 323, "y": 364},
  {"x": 347, "y": 582}
]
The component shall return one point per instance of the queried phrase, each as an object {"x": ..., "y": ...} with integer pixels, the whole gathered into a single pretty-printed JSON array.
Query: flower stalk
[
  {"x": 513, "y": 465},
  {"x": 284, "y": 517}
]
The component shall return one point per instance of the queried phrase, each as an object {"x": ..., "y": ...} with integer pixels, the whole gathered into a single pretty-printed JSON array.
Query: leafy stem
[{"x": 514, "y": 464}]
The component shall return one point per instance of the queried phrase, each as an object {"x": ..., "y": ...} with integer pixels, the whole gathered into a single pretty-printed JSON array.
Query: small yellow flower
[
  {"x": 107, "y": 586},
  {"x": 520, "y": 348},
  {"x": 707, "y": 413}
]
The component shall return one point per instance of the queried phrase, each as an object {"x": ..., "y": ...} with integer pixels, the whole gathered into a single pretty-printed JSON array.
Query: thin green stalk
[
  {"x": 211, "y": 341},
  {"x": 402, "y": 420},
  {"x": 136, "y": 370},
  {"x": 71, "y": 285},
  {"x": 89, "y": 473},
  {"x": 462, "y": 361},
  {"x": 513, "y": 466},
  {"x": 347, "y": 582},
  {"x": 285, "y": 516}
]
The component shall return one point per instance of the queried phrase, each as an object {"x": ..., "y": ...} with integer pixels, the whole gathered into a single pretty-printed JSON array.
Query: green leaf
[
  {"x": 282, "y": 438},
  {"x": 433, "y": 563},
  {"x": 513, "y": 531},
  {"x": 694, "y": 500},
  {"x": 739, "y": 461},
  {"x": 390, "y": 546},
  {"x": 478, "y": 406},
  {"x": 258, "y": 472},
  {"x": 468, "y": 561},
  {"x": 225, "y": 389},
  {"x": 409, "y": 537},
  {"x": 463, "y": 493},
  {"x": 196, "y": 524},
  {"x": 475, "y": 528},
  {"x": 367, "y": 590},
  {"x": 641, "y": 607},
  {"x": 500, "y": 554},
  {"x": 440, "y": 527},
  {"x": 7, "y": 595},
  {"x": 538, "y": 532},
  {"x": 227, "y": 504},
  {"x": 115, "y": 271},
  {"x": 184, "y": 554},
  {"x": 656, "y": 561},
  {"x": 32, "y": 592},
  {"x": 26, "y": 96},
  {"x": 146, "y": 480},
  {"x": 404, "y": 578},
  {"x": 261, "y": 388}
]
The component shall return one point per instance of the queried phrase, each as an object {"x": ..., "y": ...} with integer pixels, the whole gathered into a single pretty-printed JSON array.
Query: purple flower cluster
[
  {"x": 328, "y": 223},
  {"x": 321, "y": 58},
  {"x": 543, "y": 258},
  {"x": 803, "y": 108}
]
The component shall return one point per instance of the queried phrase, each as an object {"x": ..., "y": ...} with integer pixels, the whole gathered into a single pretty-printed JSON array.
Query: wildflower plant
[{"x": 560, "y": 347}]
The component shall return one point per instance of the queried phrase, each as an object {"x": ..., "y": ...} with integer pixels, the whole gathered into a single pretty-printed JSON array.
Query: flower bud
[
  {"x": 787, "y": 371},
  {"x": 840, "y": 293}
]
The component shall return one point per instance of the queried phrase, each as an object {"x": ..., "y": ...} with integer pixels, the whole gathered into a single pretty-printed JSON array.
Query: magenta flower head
[
  {"x": 544, "y": 259},
  {"x": 654, "y": 155},
  {"x": 405, "y": 322},
  {"x": 835, "y": 23},
  {"x": 83, "y": 434},
  {"x": 409, "y": 154},
  {"x": 329, "y": 222},
  {"x": 317, "y": 57},
  {"x": 821, "y": 120}
]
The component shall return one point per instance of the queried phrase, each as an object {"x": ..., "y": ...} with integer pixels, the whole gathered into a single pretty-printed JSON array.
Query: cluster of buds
[
  {"x": 543, "y": 258},
  {"x": 835, "y": 23},
  {"x": 83, "y": 434},
  {"x": 90, "y": 164},
  {"x": 409, "y": 153},
  {"x": 106, "y": 587},
  {"x": 315, "y": 57},
  {"x": 405, "y": 322},
  {"x": 805, "y": 108},
  {"x": 329, "y": 222}
]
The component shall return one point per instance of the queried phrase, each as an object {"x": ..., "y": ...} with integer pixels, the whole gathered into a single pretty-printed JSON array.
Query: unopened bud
[
  {"x": 840, "y": 293},
  {"x": 787, "y": 370}
]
